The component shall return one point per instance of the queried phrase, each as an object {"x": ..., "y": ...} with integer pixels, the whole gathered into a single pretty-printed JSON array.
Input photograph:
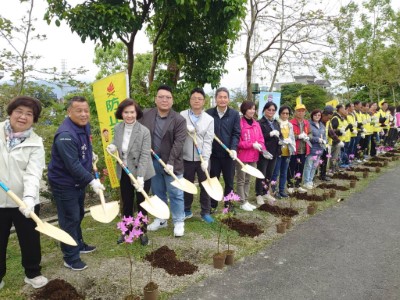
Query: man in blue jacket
[
  {"x": 69, "y": 173},
  {"x": 227, "y": 129}
]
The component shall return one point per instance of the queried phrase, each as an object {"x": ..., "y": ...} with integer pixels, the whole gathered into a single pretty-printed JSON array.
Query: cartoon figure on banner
[{"x": 106, "y": 134}]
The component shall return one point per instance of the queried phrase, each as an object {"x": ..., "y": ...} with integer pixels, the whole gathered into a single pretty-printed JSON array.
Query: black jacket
[{"x": 271, "y": 143}]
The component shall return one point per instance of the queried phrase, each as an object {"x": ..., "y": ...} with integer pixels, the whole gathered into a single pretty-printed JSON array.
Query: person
[
  {"x": 352, "y": 125},
  {"x": 227, "y": 129},
  {"x": 376, "y": 128},
  {"x": 69, "y": 172},
  {"x": 251, "y": 143},
  {"x": 360, "y": 130},
  {"x": 391, "y": 136},
  {"x": 168, "y": 134},
  {"x": 21, "y": 163},
  {"x": 336, "y": 140},
  {"x": 202, "y": 125},
  {"x": 318, "y": 142},
  {"x": 288, "y": 149},
  {"x": 272, "y": 134},
  {"x": 302, "y": 130},
  {"x": 368, "y": 131},
  {"x": 327, "y": 114},
  {"x": 133, "y": 142}
]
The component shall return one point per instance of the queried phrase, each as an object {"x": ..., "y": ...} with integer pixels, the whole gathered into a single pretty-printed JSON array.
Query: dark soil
[
  {"x": 373, "y": 164},
  {"x": 308, "y": 197},
  {"x": 357, "y": 169},
  {"x": 332, "y": 186},
  {"x": 380, "y": 158},
  {"x": 278, "y": 211},
  {"x": 165, "y": 258},
  {"x": 244, "y": 229},
  {"x": 344, "y": 176},
  {"x": 57, "y": 289}
]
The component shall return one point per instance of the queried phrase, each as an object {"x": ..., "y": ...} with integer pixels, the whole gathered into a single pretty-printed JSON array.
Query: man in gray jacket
[{"x": 200, "y": 124}]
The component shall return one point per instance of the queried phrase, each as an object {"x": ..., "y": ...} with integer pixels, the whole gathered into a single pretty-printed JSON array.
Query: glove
[
  {"x": 301, "y": 136},
  {"x": 94, "y": 156},
  {"x": 355, "y": 131},
  {"x": 364, "y": 130},
  {"x": 30, "y": 204},
  {"x": 191, "y": 129},
  {"x": 97, "y": 186},
  {"x": 382, "y": 133},
  {"x": 233, "y": 154},
  {"x": 257, "y": 146},
  {"x": 321, "y": 141},
  {"x": 204, "y": 166},
  {"x": 267, "y": 155},
  {"x": 341, "y": 144},
  {"x": 111, "y": 148},
  {"x": 169, "y": 169},
  {"x": 363, "y": 135},
  {"x": 364, "y": 122},
  {"x": 274, "y": 133},
  {"x": 342, "y": 130},
  {"x": 306, "y": 138},
  {"x": 287, "y": 141},
  {"x": 140, "y": 184}
]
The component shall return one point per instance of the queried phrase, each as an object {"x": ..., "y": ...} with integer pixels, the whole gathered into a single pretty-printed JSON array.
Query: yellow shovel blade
[
  {"x": 55, "y": 233},
  {"x": 213, "y": 188},
  {"x": 185, "y": 185},
  {"x": 156, "y": 207},
  {"x": 105, "y": 214},
  {"x": 253, "y": 171}
]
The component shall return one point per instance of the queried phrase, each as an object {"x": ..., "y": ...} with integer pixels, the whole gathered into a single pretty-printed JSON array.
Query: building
[{"x": 304, "y": 79}]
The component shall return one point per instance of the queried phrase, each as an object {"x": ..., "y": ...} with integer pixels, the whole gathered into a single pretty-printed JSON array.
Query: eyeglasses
[
  {"x": 20, "y": 113},
  {"x": 197, "y": 98},
  {"x": 164, "y": 97},
  {"x": 284, "y": 113}
]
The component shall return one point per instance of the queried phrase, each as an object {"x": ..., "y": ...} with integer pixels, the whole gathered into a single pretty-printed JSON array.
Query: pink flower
[
  {"x": 273, "y": 182},
  {"x": 318, "y": 152},
  {"x": 122, "y": 226},
  {"x": 315, "y": 157},
  {"x": 328, "y": 156},
  {"x": 298, "y": 161},
  {"x": 231, "y": 197},
  {"x": 321, "y": 161},
  {"x": 128, "y": 220},
  {"x": 225, "y": 210},
  {"x": 145, "y": 220},
  {"x": 298, "y": 175},
  {"x": 351, "y": 156},
  {"x": 128, "y": 239}
]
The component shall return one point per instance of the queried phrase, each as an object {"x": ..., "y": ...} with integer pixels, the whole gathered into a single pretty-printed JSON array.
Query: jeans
[
  {"x": 344, "y": 154},
  {"x": 161, "y": 185},
  {"x": 281, "y": 169},
  {"x": 310, "y": 166},
  {"x": 70, "y": 209},
  {"x": 243, "y": 182}
]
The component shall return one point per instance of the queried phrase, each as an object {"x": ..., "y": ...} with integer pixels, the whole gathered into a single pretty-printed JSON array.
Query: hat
[
  {"x": 300, "y": 106},
  {"x": 328, "y": 110},
  {"x": 381, "y": 102}
]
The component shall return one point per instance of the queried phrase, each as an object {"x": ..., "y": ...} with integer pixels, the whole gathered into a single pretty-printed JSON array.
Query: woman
[
  {"x": 21, "y": 165},
  {"x": 133, "y": 142},
  {"x": 288, "y": 148},
  {"x": 272, "y": 133},
  {"x": 318, "y": 142},
  {"x": 251, "y": 143}
]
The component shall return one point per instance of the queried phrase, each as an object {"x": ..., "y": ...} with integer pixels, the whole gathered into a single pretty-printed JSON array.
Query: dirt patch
[
  {"x": 380, "y": 158},
  {"x": 57, "y": 289},
  {"x": 165, "y": 258},
  {"x": 344, "y": 176},
  {"x": 308, "y": 197},
  {"x": 278, "y": 211},
  {"x": 358, "y": 169},
  {"x": 244, "y": 229},
  {"x": 332, "y": 186},
  {"x": 373, "y": 164}
]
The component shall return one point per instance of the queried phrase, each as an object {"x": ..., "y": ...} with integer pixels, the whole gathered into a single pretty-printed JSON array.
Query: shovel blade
[
  {"x": 185, "y": 185},
  {"x": 213, "y": 188},
  {"x": 253, "y": 171},
  {"x": 106, "y": 213},
  {"x": 156, "y": 207},
  {"x": 55, "y": 233}
]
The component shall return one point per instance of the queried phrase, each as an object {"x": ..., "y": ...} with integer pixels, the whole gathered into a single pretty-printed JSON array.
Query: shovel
[
  {"x": 212, "y": 185},
  {"x": 105, "y": 212},
  {"x": 245, "y": 167},
  {"x": 43, "y": 227},
  {"x": 180, "y": 183},
  {"x": 153, "y": 205}
]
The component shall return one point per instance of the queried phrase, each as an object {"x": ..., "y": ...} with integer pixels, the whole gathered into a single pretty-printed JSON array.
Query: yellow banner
[
  {"x": 299, "y": 100},
  {"x": 108, "y": 93},
  {"x": 333, "y": 103}
]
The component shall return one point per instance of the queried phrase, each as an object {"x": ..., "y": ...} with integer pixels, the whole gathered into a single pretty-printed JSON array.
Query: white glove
[
  {"x": 204, "y": 166},
  {"x": 267, "y": 155},
  {"x": 169, "y": 169},
  {"x": 364, "y": 122},
  {"x": 30, "y": 204},
  {"x": 191, "y": 129},
  {"x": 302, "y": 136},
  {"x": 111, "y": 148},
  {"x": 363, "y": 135},
  {"x": 321, "y": 141},
  {"x": 233, "y": 154},
  {"x": 342, "y": 130},
  {"x": 306, "y": 138},
  {"x": 390, "y": 118},
  {"x": 341, "y": 144},
  {"x": 287, "y": 141},
  {"x": 257, "y": 146},
  {"x": 274, "y": 133},
  {"x": 94, "y": 156},
  {"x": 364, "y": 130},
  {"x": 140, "y": 184},
  {"x": 97, "y": 186},
  {"x": 355, "y": 131}
]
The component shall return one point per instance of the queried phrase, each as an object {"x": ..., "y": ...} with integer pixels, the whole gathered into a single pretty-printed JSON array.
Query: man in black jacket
[{"x": 227, "y": 129}]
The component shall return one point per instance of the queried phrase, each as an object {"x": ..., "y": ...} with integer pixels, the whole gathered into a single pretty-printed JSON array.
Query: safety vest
[
  {"x": 376, "y": 126},
  {"x": 367, "y": 126},
  {"x": 351, "y": 119},
  {"x": 343, "y": 125}
]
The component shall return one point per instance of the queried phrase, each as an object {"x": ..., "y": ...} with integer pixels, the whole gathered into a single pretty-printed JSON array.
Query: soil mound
[
  {"x": 332, "y": 186},
  {"x": 244, "y": 229},
  {"x": 278, "y": 211},
  {"x": 307, "y": 197},
  {"x": 344, "y": 176},
  {"x": 57, "y": 289}
]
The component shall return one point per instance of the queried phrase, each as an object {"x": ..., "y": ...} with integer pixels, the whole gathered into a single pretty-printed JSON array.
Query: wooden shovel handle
[
  {"x": 97, "y": 176},
  {"x": 227, "y": 149},
  {"x": 194, "y": 138},
  {"x": 163, "y": 164}
]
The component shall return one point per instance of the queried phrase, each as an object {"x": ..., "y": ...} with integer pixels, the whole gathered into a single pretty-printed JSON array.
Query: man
[
  {"x": 338, "y": 125},
  {"x": 201, "y": 125},
  {"x": 227, "y": 129},
  {"x": 69, "y": 173},
  {"x": 360, "y": 130},
  {"x": 327, "y": 114},
  {"x": 168, "y": 134},
  {"x": 352, "y": 132}
]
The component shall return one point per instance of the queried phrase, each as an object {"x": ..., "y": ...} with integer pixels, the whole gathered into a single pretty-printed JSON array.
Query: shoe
[
  {"x": 290, "y": 190},
  {"x": 283, "y": 195},
  {"x": 344, "y": 166},
  {"x": 157, "y": 224},
  {"x": 325, "y": 179},
  {"x": 121, "y": 239},
  {"x": 87, "y": 249},
  {"x": 251, "y": 205},
  {"x": 207, "y": 218},
  {"x": 179, "y": 229},
  {"x": 144, "y": 240},
  {"x": 308, "y": 186},
  {"x": 260, "y": 200},
  {"x": 37, "y": 282},
  {"x": 2, "y": 284},
  {"x": 270, "y": 199},
  {"x": 77, "y": 265},
  {"x": 213, "y": 210},
  {"x": 358, "y": 161},
  {"x": 245, "y": 206},
  {"x": 301, "y": 190},
  {"x": 188, "y": 214}
]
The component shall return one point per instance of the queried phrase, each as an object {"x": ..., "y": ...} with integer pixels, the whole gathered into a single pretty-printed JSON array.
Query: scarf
[
  {"x": 15, "y": 138},
  {"x": 283, "y": 124}
]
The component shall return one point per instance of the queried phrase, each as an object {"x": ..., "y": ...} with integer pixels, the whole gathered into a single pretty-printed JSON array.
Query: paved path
[{"x": 350, "y": 251}]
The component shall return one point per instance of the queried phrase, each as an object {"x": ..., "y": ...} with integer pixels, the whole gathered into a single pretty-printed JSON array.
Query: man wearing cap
[
  {"x": 327, "y": 114},
  {"x": 301, "y": 130},
  {"x": 338, "y": 125}
]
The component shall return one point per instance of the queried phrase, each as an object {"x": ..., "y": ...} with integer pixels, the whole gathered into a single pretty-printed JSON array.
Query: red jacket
[
  {"x": 248, "y": 136},
  {"x": 296, "y": 131}
]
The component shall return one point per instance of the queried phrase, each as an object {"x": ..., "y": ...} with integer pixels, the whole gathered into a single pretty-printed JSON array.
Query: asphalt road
[{"x": 350, "y": 251}]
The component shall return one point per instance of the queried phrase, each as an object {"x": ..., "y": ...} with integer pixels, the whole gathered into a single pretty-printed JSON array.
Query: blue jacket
[
  {"x": 316, "y": 134},
  {"x": 71, "y": 156},
  {"x": 227, "y": 129}
]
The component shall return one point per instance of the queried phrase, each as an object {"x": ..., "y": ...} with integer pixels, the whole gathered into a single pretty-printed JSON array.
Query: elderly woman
[
  {"x": 21, "y": 165},
  {"x": 133, "y": 142}
]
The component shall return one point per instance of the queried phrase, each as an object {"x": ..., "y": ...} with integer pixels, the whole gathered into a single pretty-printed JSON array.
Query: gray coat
[{"x": 139, "y": 160}]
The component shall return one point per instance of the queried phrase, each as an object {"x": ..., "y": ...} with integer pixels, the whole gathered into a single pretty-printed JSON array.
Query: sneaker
[
  {"x": 301, "y": 190},
  {"x": 1, "y": 284},
  {"x": 270, "y": 199},
  {"x": 87, "y": 249},
  {"x": 325, "y": 179},
  {"x": 188, "y": 214},
  {"x": 207, "y": 218},
  {"x": 251, "y": 205},
  {"x": 77, "y": 265},
  {"x": 157, "y": 224},
  {"x": 308, "y": 186},
  {"x": 121, "y": 239},
  {"x": 260, "y": 200},
  {"x": 245, "y": 206},
  {"x": 283, "y": 195},
  {"x": 37, "y": 282},
  {"x": 290, "y": 190},
  {"x": 144, "y": 240},
  {"x": 179, "y": 229}
]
